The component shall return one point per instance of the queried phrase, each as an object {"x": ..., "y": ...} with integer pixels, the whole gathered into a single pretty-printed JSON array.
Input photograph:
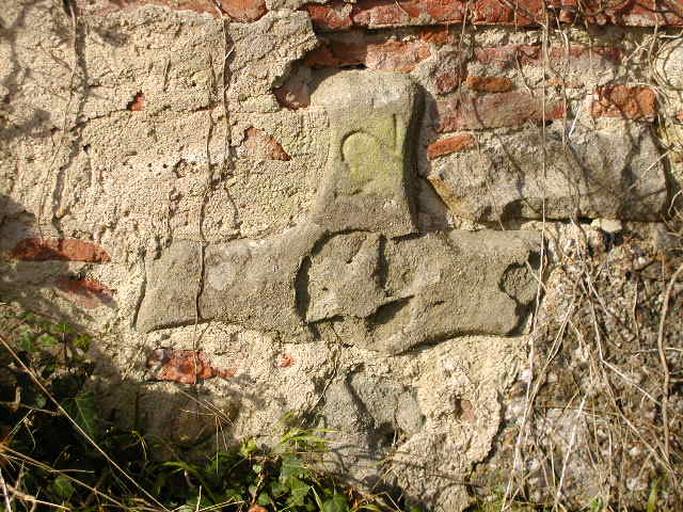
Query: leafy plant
[{"x": 45, "y": 460}]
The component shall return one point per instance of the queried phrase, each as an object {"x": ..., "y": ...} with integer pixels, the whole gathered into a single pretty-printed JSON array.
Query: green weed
[{"x": 48, "y": 457}]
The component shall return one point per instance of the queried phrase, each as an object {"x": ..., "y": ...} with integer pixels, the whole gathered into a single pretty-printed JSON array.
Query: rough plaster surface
[{"x": 308, "y": 252}]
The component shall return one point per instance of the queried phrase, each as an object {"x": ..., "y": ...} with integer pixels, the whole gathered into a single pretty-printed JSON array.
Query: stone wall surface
[{"x": 339, "y": 206}]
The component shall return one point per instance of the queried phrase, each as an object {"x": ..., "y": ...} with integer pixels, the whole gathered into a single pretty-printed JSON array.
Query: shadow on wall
[
  {"x": 62, "y": 121},
  {"x": 49, "y": 276}
]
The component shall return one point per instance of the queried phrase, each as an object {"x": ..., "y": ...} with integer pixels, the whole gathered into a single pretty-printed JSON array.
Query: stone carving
[
  {"x": 369, "y": 171},
  {"x": 352, "y": 267}
]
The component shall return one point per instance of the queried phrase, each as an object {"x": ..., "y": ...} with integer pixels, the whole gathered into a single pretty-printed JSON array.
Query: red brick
[
  {"x": 513, "y": 108},
  {"x": 638, "y": 103},
  {"x": 443, "y": 147},
  {"x": 137, "y": 104},
  {"x": 387, "y": 13},
  {"x": 339, "y": 15},
  {"x": 513, "y": 56},
  {"x": 262, "y": 146},
  {"x": 386, "y": 55},
  {"x": 184, "y": 366},
  {"x": 238, "y": 10},
  {"x": 332, "y": 16},
  {"x": 489, "y": 83},
  {"x": 448, "y": 81},
  {"x": 397, "y": 55},
  {"x": 438, "y": 35},
  {"x": 519, "y": 13},
  {"x": 337, "y": 55},
  {"x": 244, "y": 10},
  {"x": 88, "y": 293},
  {"x": 70, "y": 249}
]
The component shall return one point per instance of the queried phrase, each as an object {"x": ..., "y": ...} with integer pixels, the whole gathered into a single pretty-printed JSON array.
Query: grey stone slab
[
  {"x": 614, "y": 173},
  {"x": 171, "y": 288}
]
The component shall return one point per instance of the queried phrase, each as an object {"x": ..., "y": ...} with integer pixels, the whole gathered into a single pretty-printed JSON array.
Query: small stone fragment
[
  {"x": 137, "y": 104},
  {"x": 637, "y": 103},
  {"x": 183, "y": 366},
  {"x": 260, "y": 145}
]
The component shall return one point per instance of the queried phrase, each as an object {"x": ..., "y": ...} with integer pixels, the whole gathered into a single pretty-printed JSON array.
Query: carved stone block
[{"x": 369, "y": 166}]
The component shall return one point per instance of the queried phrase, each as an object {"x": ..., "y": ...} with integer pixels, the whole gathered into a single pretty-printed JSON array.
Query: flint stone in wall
[
  {"x": 377, "y": 409},
  {"x": 669, "y": 65},
  {"x": 669, "y": 76},
  {"x": 367, "y": 183},
  {"x": 616, "y": 172}
]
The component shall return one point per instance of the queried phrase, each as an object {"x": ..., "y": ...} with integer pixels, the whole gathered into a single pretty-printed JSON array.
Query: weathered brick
[
  {"x": 137, "y": 104},
  {"x": 259, "y": 144},
  {"x": 634, "y": 13},
  {"x": 450, "y": 145},
  {"x": 238, "y": 10},
  {"x": 70, "y": 249},
  {"x": 338, "y": 15},
  {"x": 520, "y": 13},
  {"x": 508, "y": 56},
  {"x": 489, "y": 83},
  {"x": 515, "y": 55},
  {"x": 437, "y": 35},
  {"x": 243, "y": 10},
  {"x": 638, "y": 102},
  {"x": 386, "y": 55},
  {"x": 331, "y": 16},
  {"x": 86, "y": 292},
  {"x": 385, "y": 13},
  {"x": 184, "y": 366},
  {"x": 448, "y": 81},
  {"x": 449, "y": 73},
  {"x": 513, "y": 108}
]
